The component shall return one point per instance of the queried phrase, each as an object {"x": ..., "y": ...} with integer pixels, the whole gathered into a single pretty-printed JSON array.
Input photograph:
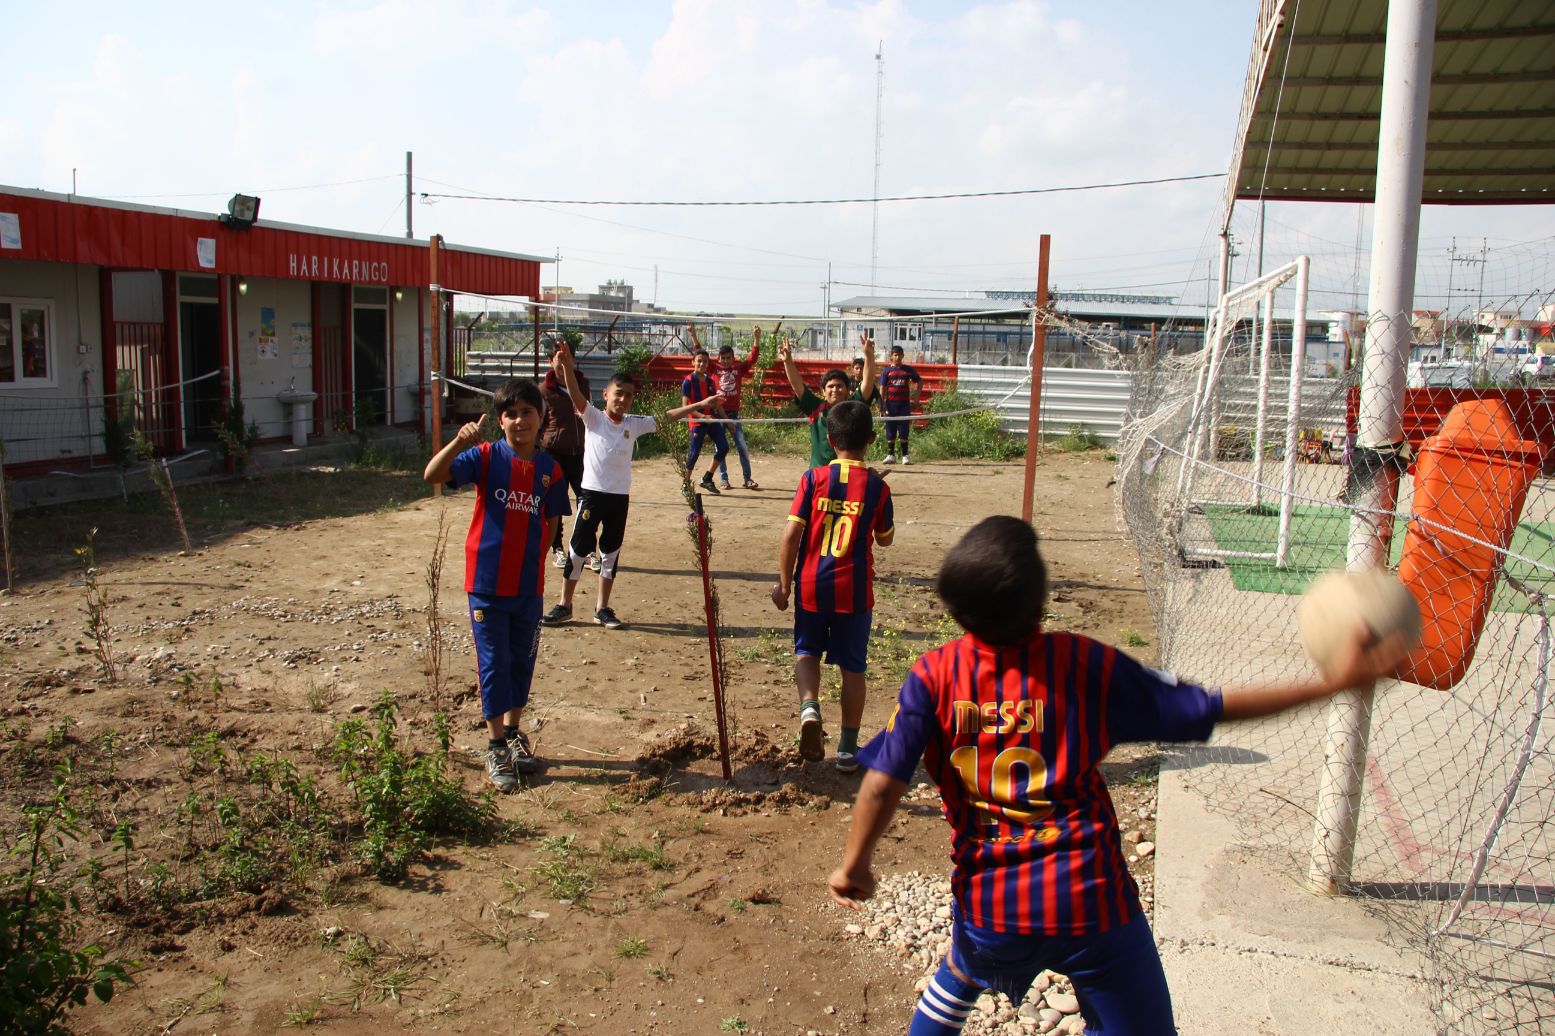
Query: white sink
[
  {"x": 301, "y": 402},
  {"x": 292, "y": 397}
]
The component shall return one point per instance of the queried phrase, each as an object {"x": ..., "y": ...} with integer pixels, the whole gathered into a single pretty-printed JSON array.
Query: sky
[{"x": 313, "y": 106}]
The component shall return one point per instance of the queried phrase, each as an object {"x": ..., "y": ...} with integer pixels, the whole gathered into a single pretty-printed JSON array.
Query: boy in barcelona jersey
[
  {"x": 825, "y": 562},
  {"x": 1012, "y": 722},
  {"x": 521, "y": 493}
]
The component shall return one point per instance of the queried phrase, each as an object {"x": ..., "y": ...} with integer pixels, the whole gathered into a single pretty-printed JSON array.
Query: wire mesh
[{"x": 1451, "y": 769}]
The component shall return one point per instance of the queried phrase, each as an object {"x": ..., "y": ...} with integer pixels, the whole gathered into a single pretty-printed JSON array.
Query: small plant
[
  {"x": 157, "y": 468},
  {"x": 1133, "y": 638},
  {"x": 302, "y": 1013},
  {"x": 236, "y": 437},
  {"x": 734, "y": 1023},
  {"x": 435, "y": 648},
  {"x": 96, "y": 607},
  {"x": 737, "y": 905},
  {"x": 319, "y": 697},
  {"x": 1078, "y": 439},
  {"x": 46, "y": 974},
  {"x": 659, "y": 972},
  {"x": 631, "y": 949}
]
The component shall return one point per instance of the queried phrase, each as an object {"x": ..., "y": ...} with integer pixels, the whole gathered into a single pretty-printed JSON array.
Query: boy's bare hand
[
  {"x": 850, "y": 888},
  {"x": 866, "y": 344},
  {"x": 472, "y": 432},
  {"x": 780, "y": 597},
  {"x": 1366, "y": 658},
  {"x": 563, "y": 357},
  {"x": 785, "y": 349}
]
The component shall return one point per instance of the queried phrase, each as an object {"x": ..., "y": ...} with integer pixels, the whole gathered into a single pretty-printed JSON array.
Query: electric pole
[{"x": 874, "y": 205}]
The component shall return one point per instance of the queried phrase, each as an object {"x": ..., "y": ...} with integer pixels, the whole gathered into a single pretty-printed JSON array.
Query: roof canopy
[{"x": 1311, "y": 107}]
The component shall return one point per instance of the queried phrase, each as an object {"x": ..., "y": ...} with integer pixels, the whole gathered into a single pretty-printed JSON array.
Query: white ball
[{"x": 1337, "y": 602}]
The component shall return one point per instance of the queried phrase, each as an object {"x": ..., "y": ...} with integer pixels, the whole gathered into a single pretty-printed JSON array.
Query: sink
[{"x": 301, "y": 402}]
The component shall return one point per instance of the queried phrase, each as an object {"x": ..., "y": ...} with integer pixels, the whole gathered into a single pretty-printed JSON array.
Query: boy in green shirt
[{"x": 835, "y": 389}]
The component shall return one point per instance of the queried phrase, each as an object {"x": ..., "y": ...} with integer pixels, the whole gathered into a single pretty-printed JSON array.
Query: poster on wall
[
  {"x": 268, "y": 348},
  {"x": 205, "y": 252},
  {"x": 10, "y": 230},
  {"x": 302, "y": 345}
]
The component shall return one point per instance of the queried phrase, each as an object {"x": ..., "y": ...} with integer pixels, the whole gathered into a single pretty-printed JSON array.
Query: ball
[{"x": 1337, "y": 602}]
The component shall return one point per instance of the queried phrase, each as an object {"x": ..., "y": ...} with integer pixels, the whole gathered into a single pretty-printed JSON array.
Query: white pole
[
  {"x": 1265, "y": 361},
  {"x": 1406, "y": 86},
  {"x": 1298, "y": 363}
]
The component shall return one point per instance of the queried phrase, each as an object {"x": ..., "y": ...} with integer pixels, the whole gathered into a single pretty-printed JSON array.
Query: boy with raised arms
[
  {"x": 835, "y": 389},
  {"x": 1011, "y": 722},
  {"x": 609, "y": 438},
  {"x": 521, "y": 493}
]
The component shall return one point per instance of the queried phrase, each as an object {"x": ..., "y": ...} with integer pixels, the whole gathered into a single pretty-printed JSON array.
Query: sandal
[{"x": 751, "y": 484}]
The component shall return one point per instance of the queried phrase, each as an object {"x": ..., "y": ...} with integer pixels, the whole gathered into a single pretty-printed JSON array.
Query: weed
[
  {"x": 660, "y": 972},
  {"x": 652, "y": 855},
  {"x": 1132, "y": 638},
  {"x": 734, "y": 1023},
  {"x": 96, "y": 608},
  {"x": 1078, "y": 439},
  {"x": 379, "y": 973},
  {"x": 565, "y": 880},
  {"x": 436, "y": 647},
  {"x": 737, "y": 905},
  {"x": 320, "y": 697},
  {"x": 973, "y": 435},
  {"x": 302, "y": 1013},
  {"x": 631, "y": 949}
]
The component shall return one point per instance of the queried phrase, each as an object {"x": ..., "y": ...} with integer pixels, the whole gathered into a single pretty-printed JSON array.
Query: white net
[{"x": 1240, "y": 480}]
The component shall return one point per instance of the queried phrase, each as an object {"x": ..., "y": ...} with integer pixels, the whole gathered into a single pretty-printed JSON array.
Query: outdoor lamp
[
  {"x": 243, "y": 287},
  {"x": 242, "y": 212}
]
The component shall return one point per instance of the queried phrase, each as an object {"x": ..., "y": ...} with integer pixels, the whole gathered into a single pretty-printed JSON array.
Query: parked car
[{"x": 1536, "y": 367}]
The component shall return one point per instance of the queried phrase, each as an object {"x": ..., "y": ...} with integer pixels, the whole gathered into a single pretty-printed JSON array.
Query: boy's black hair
[
  {"x": 859, "y": 360},
  {"x": 897, "y": 350},
  {"x": 726, "y": 349},
  {"x": 622, "y": 378},
  {"x": 518, "y": 390},
  {"x": 994, "y": 581},
  {"x": 849, "y": 426},
  {"x": 835, "y": 375},
  {"x": 701, "y": 352}
]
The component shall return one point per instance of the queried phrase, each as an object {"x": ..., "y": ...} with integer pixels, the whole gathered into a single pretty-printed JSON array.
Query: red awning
[{"x": 55, "y": 228}]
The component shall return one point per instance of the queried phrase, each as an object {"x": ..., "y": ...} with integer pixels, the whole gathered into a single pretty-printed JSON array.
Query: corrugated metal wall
[{"x": 1093, "y": 398}]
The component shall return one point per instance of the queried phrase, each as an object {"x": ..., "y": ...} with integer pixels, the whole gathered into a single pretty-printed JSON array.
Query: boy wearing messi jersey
[
  {"x": 1011, "y": 723},
  {"x": 521, "y": 493},
  {"x": 826, "y": 563},
  {"x": 697, "y": 387}
]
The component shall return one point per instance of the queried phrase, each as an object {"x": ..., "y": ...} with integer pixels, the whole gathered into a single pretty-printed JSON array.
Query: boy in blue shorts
[
  {"x": 697, "y": 387},
  {"x": 1011, "y": 723},
  {"x": 825, "y": 562},
  {"x": 521, "y": 493},
  {"x": 899, "y": 388}
]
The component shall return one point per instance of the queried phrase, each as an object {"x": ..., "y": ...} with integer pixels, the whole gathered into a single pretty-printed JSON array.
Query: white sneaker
[
  {"x": 905, "y": 461},
  {"x": 593, "y": 562},
  {"x": 559, "y": 558},
  {"x": 890, "y": 458},
  {"x": 811, "y": 736}
]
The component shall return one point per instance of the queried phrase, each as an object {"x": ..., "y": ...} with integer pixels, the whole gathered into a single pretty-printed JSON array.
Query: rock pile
[{"x": 909, "y": 917}]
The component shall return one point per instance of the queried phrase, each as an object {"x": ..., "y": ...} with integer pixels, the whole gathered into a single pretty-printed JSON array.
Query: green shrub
[
  {"x": 973, "y": 436},
  {"x": 405, "y": 799},
  {"x": 44, "y": 971},
  {"x": 1078, "y": 439}
]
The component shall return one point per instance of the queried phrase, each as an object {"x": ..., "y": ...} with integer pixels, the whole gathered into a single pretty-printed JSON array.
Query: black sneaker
[
  {"x": 556, "y": 616},
  {"x": 499, "y": 767},
  {"x": 707, "y": 484},
  {"x": 524, "y": 760},
  {"x": 606, "y": 617}
]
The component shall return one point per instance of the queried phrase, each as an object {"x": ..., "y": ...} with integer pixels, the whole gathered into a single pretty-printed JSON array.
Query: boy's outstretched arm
[
  {"x": 566, "y": 369},
  {"x": 749, "y": 362},
  {"x": 785, "y": 351},
  {"x": 788, "y": 555},
  {"x": 710, "y": 403},
  {"x": 871, "y": 378},
  {"x": 1364, "y": 660},
  {"x": 878, "y": 796},
  {"x": 441, "y": 465}
]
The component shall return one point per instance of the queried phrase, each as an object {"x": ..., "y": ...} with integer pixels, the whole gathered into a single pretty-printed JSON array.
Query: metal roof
[
  {"x": 911, "y": 306},
  {"x": 1311, "y": 105}
]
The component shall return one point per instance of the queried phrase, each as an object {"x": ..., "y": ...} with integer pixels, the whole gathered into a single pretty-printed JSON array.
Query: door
[
  {"x": 370, "y": 356},
  {"x": 199, "y": 344}
]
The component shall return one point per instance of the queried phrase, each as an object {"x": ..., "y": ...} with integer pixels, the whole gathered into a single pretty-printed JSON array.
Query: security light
[{"x": 242, "y": 212}]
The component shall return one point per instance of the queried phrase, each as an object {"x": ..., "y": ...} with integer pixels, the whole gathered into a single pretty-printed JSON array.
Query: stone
[
  {"x": 1058, "y": 1000},
  {"x": 1133, "y": 837},
  {"x": 985, "y": 1004},
  {"x": 1048, "y": 1019},
  {"x": 1145, "y": 849}
]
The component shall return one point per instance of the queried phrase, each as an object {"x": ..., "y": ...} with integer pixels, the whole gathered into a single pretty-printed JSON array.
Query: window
[
  {"x": 26, "y": 337},
  {"x": 907, "y": 334}
]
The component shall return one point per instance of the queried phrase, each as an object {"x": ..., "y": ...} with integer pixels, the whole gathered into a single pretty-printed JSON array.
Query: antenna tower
[{"x": 874, "y": 219}]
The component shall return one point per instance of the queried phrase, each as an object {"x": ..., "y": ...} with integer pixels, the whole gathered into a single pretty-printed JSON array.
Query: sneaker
[
  {"x": 556, "y": 616},
  {"x": 724, "y": 486},
  {"x": 750, "y": 483},
  {"x": 559, "y": 558},
  {"x": 707, "y": 484},
  {"x": 846, "y": 762},
  {"x": 905, "y": 460},
  {"x": 593, "y": 562},
  {"x": 524, "y": 760},
  {"x": 606, "y": 617},
  {"x": 811, "y": 736},
  {"x": 890, "y": 458},
  {"x": 499, "y": 767}
]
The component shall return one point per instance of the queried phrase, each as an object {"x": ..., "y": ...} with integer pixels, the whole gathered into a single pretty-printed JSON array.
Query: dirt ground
[{"x": 695, "y": 905}]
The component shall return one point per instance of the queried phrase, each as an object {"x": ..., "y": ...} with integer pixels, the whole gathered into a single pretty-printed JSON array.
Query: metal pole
[
  {"x": 1298, "y": 363},
  {"x": 435, "y": 358},
  {"x": 408, "y": 210},
  {"x": 1265, "y": 361},
  {"x": 1406, "y": 85},
  {"x": 1034, "y": 406}
]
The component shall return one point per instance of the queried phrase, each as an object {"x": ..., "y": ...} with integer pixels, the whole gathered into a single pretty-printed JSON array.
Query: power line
[{"x": 831, "y": 201}]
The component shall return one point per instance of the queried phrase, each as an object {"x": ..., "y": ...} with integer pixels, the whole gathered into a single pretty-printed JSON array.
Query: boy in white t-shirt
[{"x": 609, "y": 439}]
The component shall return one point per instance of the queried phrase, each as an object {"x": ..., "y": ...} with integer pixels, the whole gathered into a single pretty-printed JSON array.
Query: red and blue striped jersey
[
  {"x": 1013, "y": 737},
  {"x": 896, "y": 384},
  {"x": 694, "y": 389},
  {"x": 844, "y": 507},
  {"x": 504, "y": 552}
]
